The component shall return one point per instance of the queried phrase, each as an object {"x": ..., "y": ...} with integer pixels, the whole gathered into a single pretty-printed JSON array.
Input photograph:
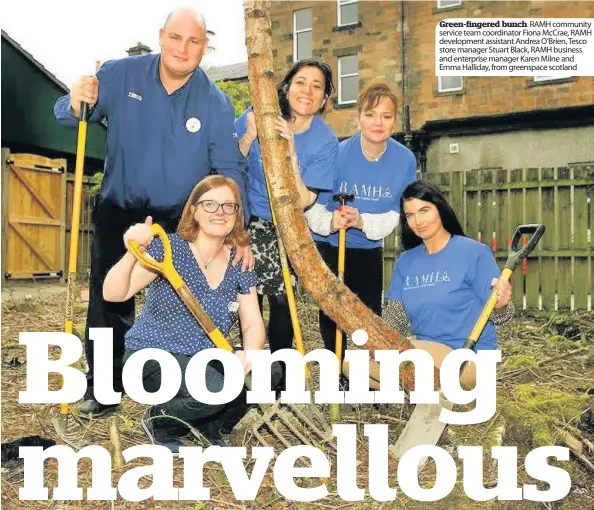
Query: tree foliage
[{"x": 239, "y": 93}]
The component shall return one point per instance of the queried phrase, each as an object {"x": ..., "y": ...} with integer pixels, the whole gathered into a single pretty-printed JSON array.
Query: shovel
[
  {"x": 424, "y": 427},
  {"x": 343, "y": 199},
  {"x": 269, "y": 411},
  {"x": 65, "y": 420}
]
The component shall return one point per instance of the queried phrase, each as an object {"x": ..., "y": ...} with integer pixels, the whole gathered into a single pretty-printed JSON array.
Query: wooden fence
[{"x": 491, "y": 203}]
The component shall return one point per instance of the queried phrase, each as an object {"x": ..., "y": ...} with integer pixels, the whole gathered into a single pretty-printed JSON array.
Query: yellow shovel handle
[
  {"x": 166, "y": 267},
  {"x": 168, "y": 271},
  {"x": 487, "y": 309}
]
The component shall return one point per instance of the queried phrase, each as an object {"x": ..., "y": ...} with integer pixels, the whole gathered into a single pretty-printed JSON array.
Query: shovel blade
[{"x": 423, "y": 428}]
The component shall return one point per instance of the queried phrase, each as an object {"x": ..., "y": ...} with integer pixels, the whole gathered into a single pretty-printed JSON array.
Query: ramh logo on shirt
[
  {"x": 425, "y": 280},
  {"x": 134, "y": 95},
  {"x": 366, "y": 192}
]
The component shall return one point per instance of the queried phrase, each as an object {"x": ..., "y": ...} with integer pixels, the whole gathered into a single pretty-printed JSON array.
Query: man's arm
[{"x": 93, "y": 90}]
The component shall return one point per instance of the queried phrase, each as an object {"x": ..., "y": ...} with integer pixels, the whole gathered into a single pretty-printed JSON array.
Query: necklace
[
  {"x": 209, "y": 263},
  {"x": 372, "y": 156}
]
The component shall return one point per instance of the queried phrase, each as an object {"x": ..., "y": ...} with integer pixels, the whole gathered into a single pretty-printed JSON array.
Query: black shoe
[
  {"x": 90, "y": 408},
  {"x": 150, "y": 424}
]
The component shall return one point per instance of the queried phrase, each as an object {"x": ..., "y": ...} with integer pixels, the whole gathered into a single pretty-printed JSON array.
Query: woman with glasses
[
  {"x": 203, "y": 248},
  {"x": 303, "y": 95}
]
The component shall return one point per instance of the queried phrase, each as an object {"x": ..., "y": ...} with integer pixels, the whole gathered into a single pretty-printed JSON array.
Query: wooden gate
[{"x": 33, "y": 215}]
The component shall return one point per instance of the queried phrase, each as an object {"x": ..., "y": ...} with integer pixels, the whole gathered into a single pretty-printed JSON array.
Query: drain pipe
[{"x": 405, "y": 106}]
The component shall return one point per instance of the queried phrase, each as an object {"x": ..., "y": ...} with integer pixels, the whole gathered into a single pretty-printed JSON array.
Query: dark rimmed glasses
[{"x": 212, "y": 206}]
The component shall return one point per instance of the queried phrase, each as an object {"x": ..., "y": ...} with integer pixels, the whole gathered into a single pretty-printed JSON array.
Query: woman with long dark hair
[
  {"x": 303, "y": 95},
  {"x": 442, "y": 279}
]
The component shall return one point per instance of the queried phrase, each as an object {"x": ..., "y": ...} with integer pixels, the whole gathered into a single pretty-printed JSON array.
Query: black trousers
[
  {"x": 363, "y": 275},
  {"x": 214, "y": 418},
  {"x": 110, "y": 222}
]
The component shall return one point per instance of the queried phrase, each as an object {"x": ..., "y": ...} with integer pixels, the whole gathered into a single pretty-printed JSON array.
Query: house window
[
  {"x": 551, "y": 78},
  {"x": 302, "y": 34},
  {"x": 449, "y": 83},
  {"x": 348, "y": 79},
  {"x": 348, "y": 12},
  {"x": 444, "y": 4}
]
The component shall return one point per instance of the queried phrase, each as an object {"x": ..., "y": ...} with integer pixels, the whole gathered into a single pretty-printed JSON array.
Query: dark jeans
[
  {"x": 183, "y": 406},
  {"x": 363, "y": 274},
  {"x": 110, "y": 222}
]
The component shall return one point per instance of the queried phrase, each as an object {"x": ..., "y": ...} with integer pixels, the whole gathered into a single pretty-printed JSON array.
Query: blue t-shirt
[
  {"x": 444, "y": 293},
  {"x": 316, "y": 152},
  {"x": 377, "y": 186},
  {"x": 160, "y": 145},
  {"x": 166, "y": 323}
]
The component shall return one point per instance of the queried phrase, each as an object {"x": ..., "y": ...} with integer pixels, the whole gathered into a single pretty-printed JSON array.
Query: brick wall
[
  {"x": 379, "y": 43},
  {"x": 485, "y": 96}
]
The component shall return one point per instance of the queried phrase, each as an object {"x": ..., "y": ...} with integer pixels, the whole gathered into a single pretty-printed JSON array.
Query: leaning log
[{"x": 333, "y": 297}]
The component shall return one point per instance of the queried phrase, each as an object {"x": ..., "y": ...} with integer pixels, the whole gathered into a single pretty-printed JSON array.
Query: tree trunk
[{"x": 333, "y": 297}]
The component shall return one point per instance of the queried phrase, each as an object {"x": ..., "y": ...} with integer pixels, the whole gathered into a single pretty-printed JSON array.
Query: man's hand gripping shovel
[
  {"x": 270, "y": 412},
  {"x": 424, "y": 427}
]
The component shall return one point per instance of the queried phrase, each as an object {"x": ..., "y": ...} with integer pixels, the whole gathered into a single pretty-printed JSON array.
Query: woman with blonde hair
[
  {"x": 203, "y": 248},
  {"x": 375, "y": 169}
]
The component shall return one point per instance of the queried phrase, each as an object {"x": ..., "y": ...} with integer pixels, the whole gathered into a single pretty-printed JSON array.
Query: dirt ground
[{"x": 545, "y": 396}]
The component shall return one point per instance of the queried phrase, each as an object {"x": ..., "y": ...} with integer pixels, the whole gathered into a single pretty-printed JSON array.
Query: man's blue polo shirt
[{"x": 160, "y": 145}]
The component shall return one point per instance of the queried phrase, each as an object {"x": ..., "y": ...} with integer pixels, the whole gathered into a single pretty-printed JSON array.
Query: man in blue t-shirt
[{"x": 168, "y": 127}]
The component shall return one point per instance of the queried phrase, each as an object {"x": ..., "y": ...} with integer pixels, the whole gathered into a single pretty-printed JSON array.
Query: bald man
[{"x": 168, "y": 127}]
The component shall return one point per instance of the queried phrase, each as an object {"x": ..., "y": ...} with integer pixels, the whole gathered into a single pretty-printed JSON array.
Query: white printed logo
[
  {"x": 425, "y": 280},
  {"x": 134, "y": 95},
  {"x": 366, "y": 191},
  {"x": 193, "y": 124}
]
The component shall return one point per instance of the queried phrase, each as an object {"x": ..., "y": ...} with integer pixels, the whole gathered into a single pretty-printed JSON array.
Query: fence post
[{"x": 5, "y": 206}]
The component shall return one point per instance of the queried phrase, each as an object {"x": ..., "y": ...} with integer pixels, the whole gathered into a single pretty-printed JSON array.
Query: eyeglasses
[{"x": 212, "y": 206}]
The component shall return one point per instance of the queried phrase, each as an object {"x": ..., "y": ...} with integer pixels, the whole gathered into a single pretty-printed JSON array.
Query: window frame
[
  {"x": 457, "y": 4},
  {"x": 301, "y": 31},
  {"x": 339, "y": 5},
  {"x": 440, "y": 88},
  {"x": 341, "y": 76},
  {"x": 539, "y": 79}
]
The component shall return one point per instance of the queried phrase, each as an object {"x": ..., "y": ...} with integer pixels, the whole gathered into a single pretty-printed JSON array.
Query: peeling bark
[{"x": 333, "y": 297}]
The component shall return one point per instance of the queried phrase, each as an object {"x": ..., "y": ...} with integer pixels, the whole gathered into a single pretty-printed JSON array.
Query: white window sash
[
  {"x": 448, "y": 4},
  {"x": 340, "y": 77},
  {"x": 295, "y": 32},
  {"x": 338, "y": 8},
  {"x": 551, "y": 78},
  {"x": 440, "y": 87}
]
